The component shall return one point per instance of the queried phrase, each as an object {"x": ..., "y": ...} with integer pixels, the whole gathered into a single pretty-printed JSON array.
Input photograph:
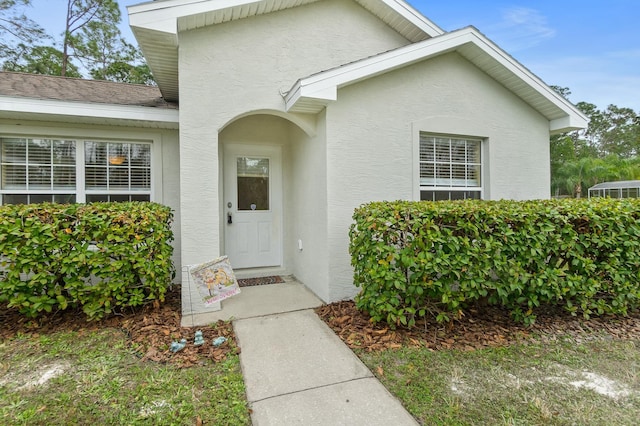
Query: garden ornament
[
  {"x": 198, "y": 339},
  {"x": 219, "y": 340},
  {"x": 178, "y": 346}
]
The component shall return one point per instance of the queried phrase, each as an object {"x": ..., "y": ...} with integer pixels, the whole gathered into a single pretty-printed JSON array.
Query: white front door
[{"x": 253, "y": 205}]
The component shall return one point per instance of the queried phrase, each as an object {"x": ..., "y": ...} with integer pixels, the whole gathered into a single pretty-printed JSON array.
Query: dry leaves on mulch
[
  {"x": 478, "y": 328},
  {"x": 150, "y": 331}
]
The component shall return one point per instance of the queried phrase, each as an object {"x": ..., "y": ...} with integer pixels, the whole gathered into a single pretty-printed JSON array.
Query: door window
[{"x": 253, "y": 183}]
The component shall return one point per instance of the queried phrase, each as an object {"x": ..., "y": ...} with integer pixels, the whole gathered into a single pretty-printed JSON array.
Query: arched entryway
[{"x": 258, "y": 161}]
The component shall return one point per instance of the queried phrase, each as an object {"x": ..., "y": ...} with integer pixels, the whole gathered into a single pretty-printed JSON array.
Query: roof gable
[
  {"x": 312, "y": 93},
  {"x": 171, "y": 16},
  {"x": 156, "y": 25}
]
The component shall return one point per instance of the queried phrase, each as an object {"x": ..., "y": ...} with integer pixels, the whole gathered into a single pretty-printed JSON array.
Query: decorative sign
[{"x": 215, "y": 280}]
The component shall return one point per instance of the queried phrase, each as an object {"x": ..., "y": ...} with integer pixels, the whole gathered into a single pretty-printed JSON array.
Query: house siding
[{"x": 372, "y": 142}]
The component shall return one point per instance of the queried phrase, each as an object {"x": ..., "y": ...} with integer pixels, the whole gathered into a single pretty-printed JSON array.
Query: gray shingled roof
[{"x": 39, "y": 86}]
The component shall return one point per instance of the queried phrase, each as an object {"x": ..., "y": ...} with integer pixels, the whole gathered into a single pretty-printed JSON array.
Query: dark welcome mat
[{"x": 249, "y": 282}]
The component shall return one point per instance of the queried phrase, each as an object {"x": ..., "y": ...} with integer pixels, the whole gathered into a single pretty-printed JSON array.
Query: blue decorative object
[
  {"x": 219, "y": 340},
  {"x": 178, "y": 346},
  {"x": 198, "y": 339}
]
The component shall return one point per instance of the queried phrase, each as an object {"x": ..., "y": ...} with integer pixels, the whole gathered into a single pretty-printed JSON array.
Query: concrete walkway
[{"x": 298, "y": 372}]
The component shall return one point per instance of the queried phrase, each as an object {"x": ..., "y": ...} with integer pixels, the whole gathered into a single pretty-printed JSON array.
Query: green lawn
[
  {"x": 94, "y": 378},
  {"x": 592, "y": 382}
]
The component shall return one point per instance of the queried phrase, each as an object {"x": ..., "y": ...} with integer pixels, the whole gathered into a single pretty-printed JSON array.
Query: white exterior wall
[
  {"x": 304, "y": 192},
  {"x": 244, "y": 66},
  {"x": 165, "y": 157},
  {"x": 372, "y": 143},
  {"x": 310, "y": 208}
]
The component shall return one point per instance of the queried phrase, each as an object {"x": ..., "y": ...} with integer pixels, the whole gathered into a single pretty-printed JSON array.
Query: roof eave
[
  {"x": 156, "y": 24},
  {"x": 30, "y": 108},
  {"x": 306, "y": 95},
  {"x": 568, "y": 123}
]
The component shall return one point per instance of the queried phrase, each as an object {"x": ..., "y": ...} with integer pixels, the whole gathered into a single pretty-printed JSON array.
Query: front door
[{"x": 253, "y": 205}]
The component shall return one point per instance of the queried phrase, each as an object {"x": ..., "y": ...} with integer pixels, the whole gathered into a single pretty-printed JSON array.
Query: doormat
[{"x": 249, "y": 282}]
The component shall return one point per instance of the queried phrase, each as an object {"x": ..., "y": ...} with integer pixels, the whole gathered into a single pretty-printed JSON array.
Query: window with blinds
[
  {"x": 35, "y": 170},
  {"x": 450, "y": 168},
  {"x": 117, "y": 171}
]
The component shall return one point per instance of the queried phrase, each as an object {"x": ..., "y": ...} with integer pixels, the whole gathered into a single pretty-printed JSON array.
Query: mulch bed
[
  {"x": 487, "y": 326},
  {"x": 150, "y": 331}
]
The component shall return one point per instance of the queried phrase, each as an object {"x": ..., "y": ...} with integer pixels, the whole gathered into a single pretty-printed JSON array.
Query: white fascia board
[
  {"x": 415, "y": 17},
  {"x": 336, "y": 78},
  {"x": 83, "y": 109},
  {"x": 163, "y": 15},
  {"x": 328, "y": 82},
  {"x": 568, "y": 123},
  {"x": 322, "y": 95}
]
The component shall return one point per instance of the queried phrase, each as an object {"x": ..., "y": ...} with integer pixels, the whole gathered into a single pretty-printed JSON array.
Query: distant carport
[{"x": 620, "y": 189}]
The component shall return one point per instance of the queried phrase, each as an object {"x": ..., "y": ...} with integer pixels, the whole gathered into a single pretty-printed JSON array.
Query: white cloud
[{"x": 520, "y": 29}]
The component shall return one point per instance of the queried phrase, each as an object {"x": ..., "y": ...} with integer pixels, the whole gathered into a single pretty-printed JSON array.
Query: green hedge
[
  {"x": 420, "y": 258},
  {"x": 101, "y": 257}
]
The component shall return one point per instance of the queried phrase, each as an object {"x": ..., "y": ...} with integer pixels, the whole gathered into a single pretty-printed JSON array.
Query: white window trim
[
  {"x": 417, "y": 130},
  {"x": 80, "y": 136},
  {"x": 83, "y": 192}
]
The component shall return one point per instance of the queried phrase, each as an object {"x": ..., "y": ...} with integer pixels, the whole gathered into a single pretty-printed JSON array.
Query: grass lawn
[
  {"x": 594, "y": 381},
  {"x": 94, "y": 378}
]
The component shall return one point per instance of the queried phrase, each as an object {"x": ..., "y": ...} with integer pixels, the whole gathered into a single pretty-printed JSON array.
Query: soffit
[
  {"x": 160, "y": 50},
  {"x": 156, "y": 24},
  {"x": 398, "y": 15}
]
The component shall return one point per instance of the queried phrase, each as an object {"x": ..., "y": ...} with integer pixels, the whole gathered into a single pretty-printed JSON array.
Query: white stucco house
[{"x": 274, "y": 119}]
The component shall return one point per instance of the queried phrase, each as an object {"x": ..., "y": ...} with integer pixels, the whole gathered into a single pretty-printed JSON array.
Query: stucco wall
[
  {"x": 231, "y": 69},
  {"x": 309, "y": 209},
  {"x": 363, "y": 147},
  {"x": 372, "y": 142},
  {"x": 165, "y": 159},
  {"x": 304, "y": 192}
]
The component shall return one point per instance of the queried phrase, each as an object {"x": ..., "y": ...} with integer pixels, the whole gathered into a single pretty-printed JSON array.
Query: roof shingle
[{"x": 38, "y": 86}]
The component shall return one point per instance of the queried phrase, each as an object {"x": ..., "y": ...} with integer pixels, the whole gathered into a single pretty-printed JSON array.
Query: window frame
[
  {"x": 80, "y": 138},
  {"x": 116, "y": 192},
  {"x": 443, "y": 188}
]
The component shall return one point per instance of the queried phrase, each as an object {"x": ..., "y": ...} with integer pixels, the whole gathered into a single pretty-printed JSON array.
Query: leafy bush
[
  {"x": 415, "y": 258},
  {"x": 102, "y": 256}
]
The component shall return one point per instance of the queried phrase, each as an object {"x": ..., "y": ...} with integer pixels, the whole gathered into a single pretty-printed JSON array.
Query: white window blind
[
  {"x": 449, "y": 162},
  {"x": 38, "y": 170},
  {"x": 117, "y": 171},
  {"x": 450, "y": 168}
]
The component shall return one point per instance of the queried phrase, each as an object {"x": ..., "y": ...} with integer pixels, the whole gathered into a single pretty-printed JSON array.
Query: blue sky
[{"x": 590, "y": 46}]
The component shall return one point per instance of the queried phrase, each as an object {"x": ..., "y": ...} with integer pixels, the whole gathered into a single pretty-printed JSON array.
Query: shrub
[
  {"x": 412, "y": 258},
  {"x": 101, "y": 257}
]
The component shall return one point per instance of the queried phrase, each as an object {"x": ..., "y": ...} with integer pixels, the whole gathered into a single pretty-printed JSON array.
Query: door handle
[{"x": 229, "y": 218}]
